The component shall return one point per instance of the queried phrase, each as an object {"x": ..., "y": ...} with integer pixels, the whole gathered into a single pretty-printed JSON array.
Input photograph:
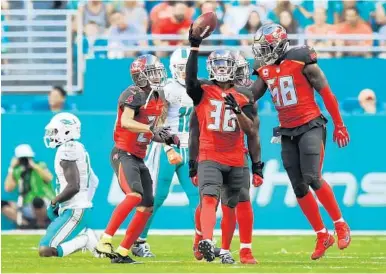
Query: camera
[{"x": 24, "y": 161}]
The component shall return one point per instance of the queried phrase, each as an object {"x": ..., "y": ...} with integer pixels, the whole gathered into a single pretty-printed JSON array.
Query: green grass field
[{"x": 275, "y": 254}]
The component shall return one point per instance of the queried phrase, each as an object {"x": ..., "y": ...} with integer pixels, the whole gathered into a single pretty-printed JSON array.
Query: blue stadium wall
[{"x": 357, "y": 173}]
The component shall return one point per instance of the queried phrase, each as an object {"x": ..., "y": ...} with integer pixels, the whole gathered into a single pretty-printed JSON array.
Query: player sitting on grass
[{"x": 70, "y": 210}]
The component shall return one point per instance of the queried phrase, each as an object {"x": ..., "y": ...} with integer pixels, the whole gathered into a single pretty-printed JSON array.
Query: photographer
[{"x": 33, "y": 182}]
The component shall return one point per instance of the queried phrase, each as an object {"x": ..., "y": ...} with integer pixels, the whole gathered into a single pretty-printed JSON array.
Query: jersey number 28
[
  {"x": 283, "y": 87},
  {"x": 227, "y": 117}
]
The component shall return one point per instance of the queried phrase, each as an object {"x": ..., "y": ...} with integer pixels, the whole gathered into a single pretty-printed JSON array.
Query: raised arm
[
  {"x": 193, "y": 86},
  {"x": 319, "y": 82}
]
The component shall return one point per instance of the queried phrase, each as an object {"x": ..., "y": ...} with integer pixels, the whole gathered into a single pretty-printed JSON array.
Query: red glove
[
  {"x": 257, "y": 170},
  {"x": 257, "y": 180},
  {"x": 194, "y": 180},
  {"x": 341, "y": 136}
]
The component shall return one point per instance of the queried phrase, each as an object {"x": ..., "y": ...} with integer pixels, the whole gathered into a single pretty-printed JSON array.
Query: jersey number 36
[{"x": 227, "y": 117}]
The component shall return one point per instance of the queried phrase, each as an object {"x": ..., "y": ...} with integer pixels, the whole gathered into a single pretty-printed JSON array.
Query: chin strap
[{"x": 148, "y": 97}]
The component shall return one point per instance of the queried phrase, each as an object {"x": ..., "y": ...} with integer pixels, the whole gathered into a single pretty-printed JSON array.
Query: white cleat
[{"x": 92, "y": 243}]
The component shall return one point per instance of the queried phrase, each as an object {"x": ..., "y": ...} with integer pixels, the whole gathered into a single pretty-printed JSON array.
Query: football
[{"x": 204, "y": 25}]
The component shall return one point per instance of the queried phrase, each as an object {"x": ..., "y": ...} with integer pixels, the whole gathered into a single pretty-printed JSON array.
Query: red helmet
[
  {"x": 147, "y": 70},
  {"x": 270, "y": 43}
]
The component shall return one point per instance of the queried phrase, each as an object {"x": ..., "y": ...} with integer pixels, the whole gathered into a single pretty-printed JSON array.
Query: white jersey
[
  {"x": 75, "y": 151},
  {"x": 180, "y": 106}
]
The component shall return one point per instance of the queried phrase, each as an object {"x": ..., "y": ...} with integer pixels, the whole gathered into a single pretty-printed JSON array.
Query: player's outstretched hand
[
  {"x": 52, "y": 211},
  {"x": 172, "y": 140},
  {"x": 194, "y": 41},
  {"x": 174, "y": 157},
  {"x": 231, "y": 103},
  {"x": 193, "y": 172},
  {"x": 257, "y": 170},
  {"x": 341, "y": 136}
]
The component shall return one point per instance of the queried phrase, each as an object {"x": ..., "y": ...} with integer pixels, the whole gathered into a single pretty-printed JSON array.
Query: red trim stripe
[{"x": 123, "y": 181}]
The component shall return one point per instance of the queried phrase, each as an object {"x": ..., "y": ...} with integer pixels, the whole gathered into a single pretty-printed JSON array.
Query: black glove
[
  {"x": 193, "y": 168},
  {"x": 231, "y": 103},
  {"x": 160, "y": 132},
  {"x": 257, "y": 168},
  {"x": 194, "y": 41},
  {"x": 172, "y": 140}
]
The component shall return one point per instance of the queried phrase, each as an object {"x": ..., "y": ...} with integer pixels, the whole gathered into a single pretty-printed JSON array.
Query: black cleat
[
  {"x": 106, "y": 250},
  {"x": 206, "y": 247},
  {"x": 123, "y": 260},
  {"x": 226, "y": 258},
  {"x": 217, "y": 252}
]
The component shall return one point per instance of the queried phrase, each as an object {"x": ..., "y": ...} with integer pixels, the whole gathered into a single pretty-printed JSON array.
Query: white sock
[
  {"x": 245, "y": 245},
  {"x": 223, "y": 251},
  {"x": 339, "y": 220},
  {"x": 324, "y": 230},
  {"x": 75, "y": 244}
]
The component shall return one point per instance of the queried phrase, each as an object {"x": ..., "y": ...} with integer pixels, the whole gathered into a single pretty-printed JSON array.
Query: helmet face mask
[
  {"x": 270, "y": 43},
  {"x": 243, "y": 75},
  {"x": 221, "y": 66}
]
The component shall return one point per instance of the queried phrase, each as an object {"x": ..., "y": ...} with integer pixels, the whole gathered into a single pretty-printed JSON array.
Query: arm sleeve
[
  {"x": 249, "y": 111},
  {"x": 193, "y": 85},
  {"x": 331, "y": 104}
]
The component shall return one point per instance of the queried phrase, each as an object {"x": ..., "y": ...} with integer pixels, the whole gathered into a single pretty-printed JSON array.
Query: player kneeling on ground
[{"x": 70, "y": 210}]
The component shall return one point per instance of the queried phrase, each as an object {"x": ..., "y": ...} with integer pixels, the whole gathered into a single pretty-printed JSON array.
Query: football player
[
  {"x": 164, "y": 161},
  {"x": 291, "y": 75},
  {"x": 76, "y": 182},
  {"x": 244, "y": 212},
  {"x": 139, "y": 108},
  {"x": 223, "y": 112}
]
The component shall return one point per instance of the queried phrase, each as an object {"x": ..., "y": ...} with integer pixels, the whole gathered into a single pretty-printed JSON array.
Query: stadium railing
[{"x": 37, "y": 53}]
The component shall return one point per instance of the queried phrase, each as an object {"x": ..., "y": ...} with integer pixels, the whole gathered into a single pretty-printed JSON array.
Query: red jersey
[
  {"x": 291, "y": 92},
  {"x": 135, "y": 98},
  {"x": 221, "y": 139}
]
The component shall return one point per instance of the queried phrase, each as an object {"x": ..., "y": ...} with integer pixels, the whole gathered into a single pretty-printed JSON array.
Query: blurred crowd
[{"x": 113, "y": 23}]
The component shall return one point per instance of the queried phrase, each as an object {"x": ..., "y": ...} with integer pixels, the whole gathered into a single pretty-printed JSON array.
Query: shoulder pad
[
  {"x": 244, "y": 91},
  {"x": 131, "y": 97},
  {"x": 68, "y": 151},
  {"x": 304, "y": 54},
  {"x": 205, "y": 82},
  {"x": 256, "y": 65}
]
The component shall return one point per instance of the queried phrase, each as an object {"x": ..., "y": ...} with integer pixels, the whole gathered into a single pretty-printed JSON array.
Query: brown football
[{"x": 204, "y": 25}]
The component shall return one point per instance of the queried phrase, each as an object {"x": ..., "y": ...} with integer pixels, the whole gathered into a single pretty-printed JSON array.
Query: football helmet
[
  {"x": 62, "y": 128},
  {"x": 221, "y": 65},
  {"x": 177, "y": 66},
  {"x": 270, "y": 43},
  {"x": 242, "y": 76},
  {"x": 147, "y": 70}
]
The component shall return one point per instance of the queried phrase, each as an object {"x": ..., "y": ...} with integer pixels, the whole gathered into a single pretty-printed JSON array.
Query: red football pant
[
  {"x": 135, "y": 228},
  {"x": 228, "y": 226},
  {"x": 121, "y": 212},
  {"x": 208, "y": 216},
  {"x": 327, "y": 198},
  {"x": 311, "y": 210},
  {"x": 244, "y": 214}
]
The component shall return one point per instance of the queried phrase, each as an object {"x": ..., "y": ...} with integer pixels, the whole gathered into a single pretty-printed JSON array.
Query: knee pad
[
  {"x": 313, "y": 181},
  {"x": 147, "y": 201},
  {"x": 301, "y": 189},
  {"x": 38, "y": 203},
  {"x": 211, "y": 190},
  {"x": 244, "y": 195}
]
